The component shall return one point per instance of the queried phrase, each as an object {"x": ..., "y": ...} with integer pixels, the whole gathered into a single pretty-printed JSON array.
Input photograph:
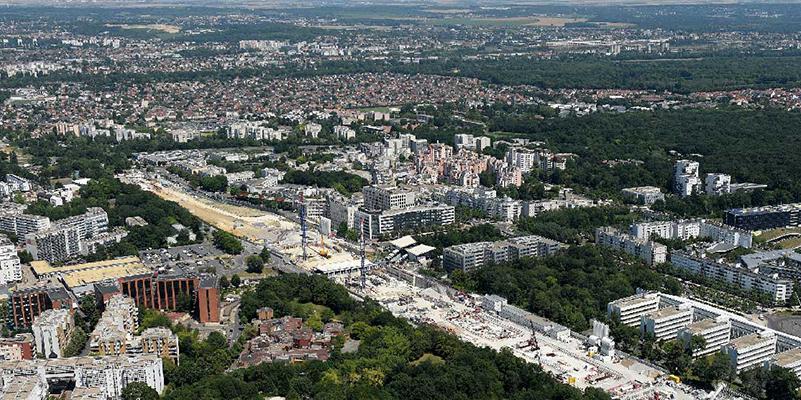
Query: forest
[
  {"x": 394, "y": 359},
  {"x": 570, "y": 287}
]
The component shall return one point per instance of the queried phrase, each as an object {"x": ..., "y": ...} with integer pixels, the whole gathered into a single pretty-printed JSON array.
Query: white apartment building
[
  {"x": 22, "y": 224},
  {"x": 64, "y": 239},
  {"x": 387, "y": 198},
  {"x": 718, "y": 184},
  {"x": 751, "y": 351},
  {"x": 473, "y": 255},
  {"x": 650, "y": 252},
  {"x": 690, "y": 229},
  {"x": 645, "y": 195},
  {"x": 344, "y": 132},
  {"x": 790, "y": 359},
  {"x": 10, "y": 269},
  {"x": 525, "y": 159},
  {"x": 716, "y": 333},
  {"x": 665, "y": 323},
  {"x": 52, "y": 331},
  {"x": 686, "y": 178},
  {"x": 631, "y": 309},
  {"x": 377, "y": 223}
]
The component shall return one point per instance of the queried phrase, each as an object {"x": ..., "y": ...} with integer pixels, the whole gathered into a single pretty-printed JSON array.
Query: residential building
[
  {"x": 761, "y": 218},
  {"x": 650, "y": 252},
  {"x": 751, "y": 351},
  {"x": 645, "y": 195},
  {"x": 666, "y": 322},
  {"x": 473, "y": 255},
  {"x": 10, "y": 269},
  {"x": 19, "y": 347},
  {"x": 690, "y": 229},
  {"x": 778, "y": 288},
  {"x": 375, "y": 224},
  {"x": 387, "y": 198},
  {"x": 718, "y": 184},
  {"x": 52, "y": 331},
  {"x": 630, "y": 310},
  {"x": 716, "y": 333},
  {"x": 790, "y": 359},
  {"x": 20, "y": 224},
  {"x": 64, "y": 239},
  {"x": 686, "y": 179},
  {"x": 170, "y": 290}
]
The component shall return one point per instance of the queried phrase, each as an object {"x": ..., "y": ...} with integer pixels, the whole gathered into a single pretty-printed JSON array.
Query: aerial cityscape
[{"x": 470, "y": 199}]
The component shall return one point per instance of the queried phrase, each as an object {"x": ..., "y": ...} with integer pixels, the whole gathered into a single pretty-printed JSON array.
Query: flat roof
[
  {"x": 403, "y": 242},
  {"x": 704, "y": 324},
  {"x": 787, "y": 358},
  {"x": 666, "y": 312},
  {"x": 44, "y": 267},
  {"x": 637, "y": 300},
  {"x": 89, "y": 276},
  {"x": 748, "y": 340},
  {"x": 420, "y": 249}
]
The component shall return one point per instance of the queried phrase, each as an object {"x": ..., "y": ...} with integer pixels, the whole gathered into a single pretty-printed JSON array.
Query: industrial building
[
  {"x": 768, "y": 217},
  {"x": 472, "y": 255},
  {"x": 650, "y": 252}
]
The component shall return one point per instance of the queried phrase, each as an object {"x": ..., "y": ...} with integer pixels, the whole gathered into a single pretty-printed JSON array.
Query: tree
[
  {"x": 235, "y": 281},
  {"x": 255, "y": 265},
  {"x": 88, "y": 306},
  {"x": 139, "y": 391},
  {"x": 24, "y": 257},
  {"x": 265, "y": 255},
  {"x": 226, "y": 242},
  {"x": 782, "y": 384},
  {"x": 224, "y": 283}
]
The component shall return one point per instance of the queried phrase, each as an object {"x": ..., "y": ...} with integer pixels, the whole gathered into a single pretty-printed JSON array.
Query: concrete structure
[
  {"x": 170, "y": 290},
  {"x": 375, "y": 224},
  {"x": 64, "y": 239},
  {"x": 716, "y": 333},
  {"x": 28, "y": 303},
  {"x": 650, "y": 252},
  {"x": 690, "y": 229},
  {"x": 778, "y": 288},
  {"x": 686, "y": 181},
  {"x": 751, "y": 351},
  {"x": 52, "y": 331},
  {"x": 473, "y": 255},
  {"x": 22, "y": 224},
  {"x": 387, "y": 198},
  {"x": 768, "y": 217},
  {"x": 19, "y": 347},
  {"x": 718, "y": 184},
  {"x": 10, "y": 269},
  {"x": 645, "y": 195},
  {"x": 790, "y": 359},
  {"x": 631, "y": 309},
  {"x": 106, "y": 375},
  {"x": 665, "y": 323}
]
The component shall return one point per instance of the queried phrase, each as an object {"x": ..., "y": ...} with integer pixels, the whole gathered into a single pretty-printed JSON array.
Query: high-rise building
[
  {"x": 22, "y": 224},
  {"x": 666, "y": 322},
  {"x": 10, "y": 269},
  {"x": 28, "y": 303},
  {"x": 768, "y": 217},
  {"x": 718, "y": 184},
  {"x": 631, "y": 309},
  {"x": 64, "y": 240},
  {"x": 686, "y": 178},
  {"x": 387, "y": 198},
  {"x": 650, "y": 252},
  {"x": 52, "y": 331},
  {"x": 716, "y": 333}
]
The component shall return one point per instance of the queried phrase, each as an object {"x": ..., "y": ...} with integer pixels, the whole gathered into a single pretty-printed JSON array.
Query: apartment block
[
  {"x": 761, "y": 218},
  {"x": 686, "y": 180},
  {"x": 790, "y": 359},
  {"x": 22, "y": 224},
  {"x": 665, "y": 323},
  {"x": 650, "y": 252},
  {"x": 387, "y": 198},
  {"x": 375, "y": 224},
  {"x": 631, "y": 309},
  {"x": 52, "y": 331},
  {"x": 717, "y": 184},
  {"x": 64, "y": 240},
  {"x": 751, "y": 351},
  {"x": 779, "y": 289},
  {"x": 716, "y": 333},
  {"x": 167, "y": 291},
  {"x": 644, "y": 195},
  {"x": 19, "y": 347},
  {"x": 473, "y": 255},
  {"x": 10, "y": 269},
  {"x": 690, "y": 229}
]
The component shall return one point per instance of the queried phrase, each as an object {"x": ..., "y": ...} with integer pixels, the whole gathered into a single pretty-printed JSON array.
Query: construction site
[
  {"x": 256, "y": 226},
  {"x": 564, "y": 354}
]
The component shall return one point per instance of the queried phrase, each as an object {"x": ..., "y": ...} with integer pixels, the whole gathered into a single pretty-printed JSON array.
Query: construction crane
[
  {"x": 302, "y": 216},
  {"x": 534, "y": 345},
  {"x": 363, "y": 267}
]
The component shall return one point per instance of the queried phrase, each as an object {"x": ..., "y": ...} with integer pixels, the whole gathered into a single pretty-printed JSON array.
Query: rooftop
[
  {"x": 44, "y": 268},
  {"x": 788, "y": 358},
  {"x": 750, "y": 340},
  {"x": 704, "y": 324},
  {"x": 667, "y": 312}
]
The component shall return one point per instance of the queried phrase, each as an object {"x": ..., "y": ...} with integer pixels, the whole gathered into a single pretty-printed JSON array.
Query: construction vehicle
[{"x": 323, "y": 250}]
